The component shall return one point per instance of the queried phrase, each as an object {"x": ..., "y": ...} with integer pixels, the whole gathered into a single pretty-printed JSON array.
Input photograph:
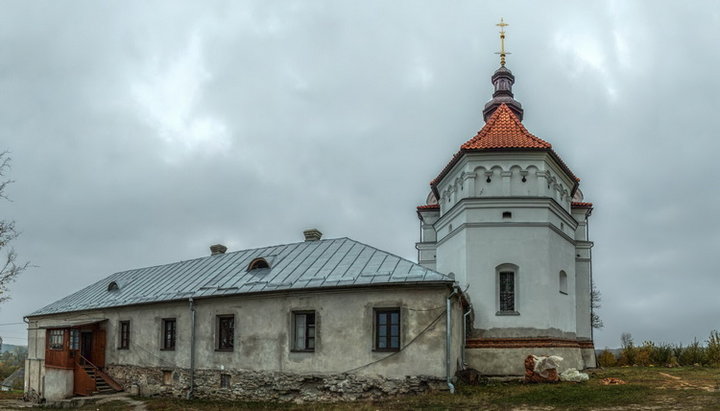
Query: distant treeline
[{"x": 664, "y": 355}]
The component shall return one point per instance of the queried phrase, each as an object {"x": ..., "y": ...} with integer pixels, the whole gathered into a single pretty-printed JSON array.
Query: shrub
[
  {"x": 629, "y": 352},
  {"x": 661, "y": 355},
  {"x": 693, "y": 354},
  {"x": 607, "y": 359},
  {"x": 713, "y": 348}
]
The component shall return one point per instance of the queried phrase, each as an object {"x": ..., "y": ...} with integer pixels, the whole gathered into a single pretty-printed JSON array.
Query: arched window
[
  {"x": 257, "y": 264},
  {"x": 563, "y": 283},
  {"x": 507, "y": 286}
]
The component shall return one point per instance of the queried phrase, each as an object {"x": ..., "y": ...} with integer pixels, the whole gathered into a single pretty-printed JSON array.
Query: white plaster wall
[
  {"x": 511, "y": 361},
  {"x": 539, "y": 238},
  {"x": 469, "y": 178},
  {"x": 58, "y": 384},
  {"x": 534, "y": 241},
  {"x": 35, "y": 363},
  {"x": 539, "y": 254},
  {"x": 263, "y": 331}
]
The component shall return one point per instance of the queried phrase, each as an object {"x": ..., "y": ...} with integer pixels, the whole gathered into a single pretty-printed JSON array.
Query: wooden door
[
  {"x": 86, "y": 345},
  {"x": 99, "y": 348}
]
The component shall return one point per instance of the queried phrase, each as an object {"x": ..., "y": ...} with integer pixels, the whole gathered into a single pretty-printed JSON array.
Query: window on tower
[{"x": 507, "y": 289}]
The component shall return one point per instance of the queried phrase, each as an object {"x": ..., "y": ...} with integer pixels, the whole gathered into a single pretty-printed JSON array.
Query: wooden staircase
[
  {"x": 101, "y": 385},
  {"x": 90, "y": 380}
]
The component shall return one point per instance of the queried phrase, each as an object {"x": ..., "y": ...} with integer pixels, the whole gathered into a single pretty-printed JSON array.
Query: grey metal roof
[{"x": 311, "y": 264}]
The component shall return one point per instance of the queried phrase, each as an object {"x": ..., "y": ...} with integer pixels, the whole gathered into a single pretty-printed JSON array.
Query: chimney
[
  {"x": 312, "y": 234},
  {"x": 217, "y": 249}
]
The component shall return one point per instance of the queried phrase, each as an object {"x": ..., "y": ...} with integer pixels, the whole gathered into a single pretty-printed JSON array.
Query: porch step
[{"x": 101, "y": 386}]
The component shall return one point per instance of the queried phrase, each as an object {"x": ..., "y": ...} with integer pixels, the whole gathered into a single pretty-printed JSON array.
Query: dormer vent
[
  {"x": 217, "y": 249},
  {"x": 113, "y": 286},
  {"x": 258, "y": 264},
  {"x": 312, "y": 235}
]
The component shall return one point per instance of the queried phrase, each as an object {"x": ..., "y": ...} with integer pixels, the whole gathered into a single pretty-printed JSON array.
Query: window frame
[
  {"x": 225, "y": 381},
  {"x": 500, "y": 271},
  {"x": 124, "y": 334},
  {"x": 74, "y": 340},
  {"x": 169, "y": 334},
  {"x": 56, "y": 332},
  {"x": 388, "y": 311},
  {"x": 306, "y": 331},
  {"x": 219, "y": 331}
]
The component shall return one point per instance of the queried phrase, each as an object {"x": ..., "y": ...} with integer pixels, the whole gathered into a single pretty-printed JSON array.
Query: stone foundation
[{"x": 267, "y": 386}]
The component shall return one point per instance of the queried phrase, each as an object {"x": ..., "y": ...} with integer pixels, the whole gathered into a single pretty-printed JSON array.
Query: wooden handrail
[
  {"x": 86, "y": 361},
  {"x": 108, "y": 379}
]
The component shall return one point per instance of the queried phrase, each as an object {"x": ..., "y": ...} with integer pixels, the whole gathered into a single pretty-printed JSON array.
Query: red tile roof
[
  {"x": 429, "y": 207},
  {"x": 504, "y": 130},
  {"x": 577, "y": 204}
]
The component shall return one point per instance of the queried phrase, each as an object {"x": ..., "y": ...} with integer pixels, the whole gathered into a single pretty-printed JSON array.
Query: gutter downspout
[
  {"x": 464, "y": 336},
  {"x": 448, "y": 339},
  {"x": 192, "y": 348},
  {"x": 592, "y": 310}
]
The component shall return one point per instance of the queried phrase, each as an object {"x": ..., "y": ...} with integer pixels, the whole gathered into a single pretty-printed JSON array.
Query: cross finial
[{"x": 502, "y": 51}]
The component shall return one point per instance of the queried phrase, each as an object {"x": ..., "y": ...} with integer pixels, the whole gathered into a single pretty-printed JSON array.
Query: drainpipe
[
  {"x": 448, "y": 340},
  {"x": 192, "y": 348},
  {"x": 464, "y": 335}
]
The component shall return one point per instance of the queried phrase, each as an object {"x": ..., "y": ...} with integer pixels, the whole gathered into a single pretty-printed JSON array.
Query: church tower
[{"x": 507, "y": 218}]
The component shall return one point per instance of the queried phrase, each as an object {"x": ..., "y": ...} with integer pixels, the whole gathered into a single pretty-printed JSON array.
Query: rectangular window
[
  {"x": 224, "y": 380},
  {"x": 124, "y": 335},
  {"x": 507, "y": 291},
  {"x": 225, "y": 332},
  {"x": 57, "y": 339},
  {"x": 74, "y": 339},
  {"x": 168, "y": 334},
  {"x": 304, "y": 331},
  {"x": 387, "y": 329}
]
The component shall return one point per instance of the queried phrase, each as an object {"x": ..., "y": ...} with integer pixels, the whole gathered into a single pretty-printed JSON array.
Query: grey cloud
[{"x": 130, "y": 150}]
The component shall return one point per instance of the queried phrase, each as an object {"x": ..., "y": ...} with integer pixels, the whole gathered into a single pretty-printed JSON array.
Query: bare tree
[
  {"x": 595, "y": 298},
  {"x": 9, "y": 268}
]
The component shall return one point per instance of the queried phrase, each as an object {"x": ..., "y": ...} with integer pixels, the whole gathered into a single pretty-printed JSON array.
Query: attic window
[
  {"x": 257, "y": 264},
  {"x": 507, "y": 214},
  {"x": 113, "y": 286}
]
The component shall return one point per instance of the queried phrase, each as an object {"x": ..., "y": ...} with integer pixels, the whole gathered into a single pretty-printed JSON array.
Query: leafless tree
[
  {"x": 9, "y": 268},
  {"x": 595, "y": 299}
]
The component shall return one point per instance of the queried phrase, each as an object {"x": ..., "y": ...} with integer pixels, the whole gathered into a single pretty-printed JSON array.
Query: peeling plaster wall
[{"x": 263, "y": 332}]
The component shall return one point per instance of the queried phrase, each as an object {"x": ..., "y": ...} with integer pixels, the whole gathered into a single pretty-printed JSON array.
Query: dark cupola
[{"x": 503, "y": 81}]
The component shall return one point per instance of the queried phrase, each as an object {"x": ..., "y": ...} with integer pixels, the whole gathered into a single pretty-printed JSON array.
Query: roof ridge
[{"x": 230, "y": 253}]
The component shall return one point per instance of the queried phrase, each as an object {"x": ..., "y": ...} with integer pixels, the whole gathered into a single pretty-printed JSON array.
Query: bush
[
  {"x": 629, "y": 352},
  {"x": 662, "y": 355},
  {"x": 713, "y": 349},
  {"x": 607, "y": 359},
  {"x": 693, "y": 354}
]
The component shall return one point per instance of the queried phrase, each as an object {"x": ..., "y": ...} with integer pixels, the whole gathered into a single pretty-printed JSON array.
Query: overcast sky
[{"x": 141, "y": 133}]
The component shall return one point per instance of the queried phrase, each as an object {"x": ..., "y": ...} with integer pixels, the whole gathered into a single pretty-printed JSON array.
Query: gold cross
[{"x": 502, "y": 51}]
